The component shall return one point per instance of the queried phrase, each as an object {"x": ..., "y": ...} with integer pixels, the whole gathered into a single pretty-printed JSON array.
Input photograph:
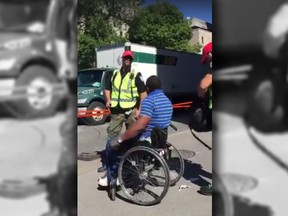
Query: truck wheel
[
  {"x": 96, "y": 120},
  {"x": 39, "y": 79}
]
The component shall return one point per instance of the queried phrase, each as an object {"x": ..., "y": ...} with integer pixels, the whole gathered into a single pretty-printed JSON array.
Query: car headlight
[
  {"x": 7, "y": 64},
  {"x": 82, "y": 101}
]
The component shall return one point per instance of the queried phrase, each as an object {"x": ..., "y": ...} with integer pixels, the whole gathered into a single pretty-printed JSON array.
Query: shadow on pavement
[
  {"x": 245, "y": 207},
  {"x": 195, "y": 173}
]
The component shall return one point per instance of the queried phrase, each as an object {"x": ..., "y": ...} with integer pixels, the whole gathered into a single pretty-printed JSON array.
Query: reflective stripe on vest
[
  {"x": 124, "y": 93},
  {"x": 210, "y": 97},
  {"x": 210, "y": 91}
]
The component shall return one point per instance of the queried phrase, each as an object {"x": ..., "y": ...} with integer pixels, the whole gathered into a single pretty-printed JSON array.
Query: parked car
[{"x": 90, "y": 91}]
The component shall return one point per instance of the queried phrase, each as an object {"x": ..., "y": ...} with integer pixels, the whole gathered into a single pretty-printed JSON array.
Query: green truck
[
  {"x": 90, "y": 91},
  {"x": 29, "y": 59}
]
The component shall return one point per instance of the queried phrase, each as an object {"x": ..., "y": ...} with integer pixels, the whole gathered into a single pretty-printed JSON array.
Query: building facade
[{"x": 201, "y": 31}]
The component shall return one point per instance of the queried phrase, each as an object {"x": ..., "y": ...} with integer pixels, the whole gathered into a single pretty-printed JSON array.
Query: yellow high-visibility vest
[{"x": 124, "y": 92}]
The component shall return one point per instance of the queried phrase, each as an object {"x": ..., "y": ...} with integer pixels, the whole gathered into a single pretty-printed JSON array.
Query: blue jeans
[{"x": 112, "y": 159}]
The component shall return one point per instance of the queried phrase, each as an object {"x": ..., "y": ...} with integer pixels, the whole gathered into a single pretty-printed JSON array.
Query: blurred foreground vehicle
[{"x": 30, "y": 84}]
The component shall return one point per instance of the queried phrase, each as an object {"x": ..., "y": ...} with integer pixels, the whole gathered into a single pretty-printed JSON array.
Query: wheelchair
[{"x": 145, "y": 173}]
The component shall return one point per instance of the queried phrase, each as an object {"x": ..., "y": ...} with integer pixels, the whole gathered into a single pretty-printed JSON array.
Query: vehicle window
[{"x": 90, "y": 78}]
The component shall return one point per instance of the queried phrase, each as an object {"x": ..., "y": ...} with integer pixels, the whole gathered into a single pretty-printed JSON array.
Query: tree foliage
[
  {"x": 161, "y": 25},
  {"x": 123, "y": 10},
  {"x": 96, "y": 19}
]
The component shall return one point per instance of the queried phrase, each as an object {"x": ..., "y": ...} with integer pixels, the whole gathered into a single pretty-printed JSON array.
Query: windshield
[
  {"x": 23, "y": 15},
  {"x": 89, "y": 78}
]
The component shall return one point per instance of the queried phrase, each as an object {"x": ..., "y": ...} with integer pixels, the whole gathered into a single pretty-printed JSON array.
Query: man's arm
[
  {"x": 142, "y": 96},
  {"x": 141, "y": 91},
  {"x": 138, "y": 127},
  {"x": 107, "y": 97},
  {"x": 107, "y": 90},
  {"x": 276, "y": 32},
  {"x": 205, "y": 83},
  {"x": 142, "y": 122}
]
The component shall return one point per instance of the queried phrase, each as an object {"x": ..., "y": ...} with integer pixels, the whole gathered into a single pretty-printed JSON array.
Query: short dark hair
[{"x": 153, "y": 83}]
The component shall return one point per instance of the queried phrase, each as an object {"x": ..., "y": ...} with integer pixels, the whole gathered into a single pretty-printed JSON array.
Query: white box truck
[{"x": 180, "y": 72}]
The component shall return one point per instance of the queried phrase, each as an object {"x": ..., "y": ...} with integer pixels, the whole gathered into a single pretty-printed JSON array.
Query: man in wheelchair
[{"x": 150, "y": 127}]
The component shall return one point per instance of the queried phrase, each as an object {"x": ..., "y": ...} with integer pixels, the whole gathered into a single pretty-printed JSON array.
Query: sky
[{"x": 191, "y": 8}]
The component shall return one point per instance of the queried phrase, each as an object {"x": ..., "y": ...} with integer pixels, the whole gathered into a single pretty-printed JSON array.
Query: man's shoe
[
  {"x": 206, "y": 190},
  {"x": 103, "y": 181},
  {"x": 102, "y": 169}
]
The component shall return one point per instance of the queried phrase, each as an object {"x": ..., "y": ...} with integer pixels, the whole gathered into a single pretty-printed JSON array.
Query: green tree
[
  {"x": 97, "y": 33},
  {"x": 123, "y": 10},
  {"x": 97, "y": 24},
  {"x": 161, "y": 25}
]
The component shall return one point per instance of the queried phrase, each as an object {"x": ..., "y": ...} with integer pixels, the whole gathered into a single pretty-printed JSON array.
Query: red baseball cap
[
  {"x": 206, "y": 49},
  {"x": 127, "y": 53}
]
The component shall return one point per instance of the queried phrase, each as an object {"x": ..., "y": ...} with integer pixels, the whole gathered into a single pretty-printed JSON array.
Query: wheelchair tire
[
  {"x": 222, "y": 200},
  {"x": 175, "y": 164},
  {"x": 112, "y": 192},
  {"x": 144, "y": 168}
]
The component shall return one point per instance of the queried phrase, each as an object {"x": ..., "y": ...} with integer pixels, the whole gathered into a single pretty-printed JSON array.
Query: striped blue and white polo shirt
[{"x": 159, "y": 108}]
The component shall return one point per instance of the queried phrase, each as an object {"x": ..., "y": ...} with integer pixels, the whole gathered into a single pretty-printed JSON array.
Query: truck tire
[
  {"x": 36, "y": 106},
  {"x": 96, "y": 120}
]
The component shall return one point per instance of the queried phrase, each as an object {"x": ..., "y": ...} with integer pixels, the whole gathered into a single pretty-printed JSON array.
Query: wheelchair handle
[{"x": 173, "y": 126}]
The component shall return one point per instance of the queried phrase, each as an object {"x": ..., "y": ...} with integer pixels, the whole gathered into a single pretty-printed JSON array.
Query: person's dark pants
[
  {"x": 201, "y": 118},
  {"x": 267, "y": 105},
  {"x": 115, "y": 127}
]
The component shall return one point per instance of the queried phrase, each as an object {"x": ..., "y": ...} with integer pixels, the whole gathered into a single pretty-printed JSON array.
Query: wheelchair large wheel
[
  {"x": 223, "y": 204},
  {"x": 143, "y": 176},
  {"x": 175, "y": 164}
]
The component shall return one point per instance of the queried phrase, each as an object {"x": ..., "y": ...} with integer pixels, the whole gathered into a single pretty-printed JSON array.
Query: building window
[{"x": 202, "y": 40}]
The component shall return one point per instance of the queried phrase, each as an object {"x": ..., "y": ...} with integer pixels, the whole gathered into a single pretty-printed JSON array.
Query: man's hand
[
  {"x": 276, "y": 32},
  {"x": 137, "y": 112},
  {"x": 108, "y": 104},
  {"x": 201, "y": 92}
]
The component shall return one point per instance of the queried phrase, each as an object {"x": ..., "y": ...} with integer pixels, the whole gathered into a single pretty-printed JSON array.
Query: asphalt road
[
  {"x": 257, "y": 181},
  {"x": 187, "y": 202},
  {"x": 28, "y": 149}
]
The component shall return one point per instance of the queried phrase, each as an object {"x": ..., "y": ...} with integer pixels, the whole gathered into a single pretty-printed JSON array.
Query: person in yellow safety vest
[
  {"x": 205, "y": 90},
  {"x": 205, "y": 85},
  {"x": 124, "y": 92},
  {"x": 267, "y": 102},
  {"x": 276, "y": 31},
  {"x": 272, "y": 95}
]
